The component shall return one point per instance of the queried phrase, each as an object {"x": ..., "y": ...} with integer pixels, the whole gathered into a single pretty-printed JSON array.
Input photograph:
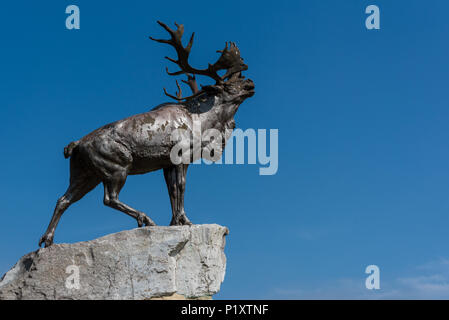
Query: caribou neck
[{"x": 212, "y": 112}]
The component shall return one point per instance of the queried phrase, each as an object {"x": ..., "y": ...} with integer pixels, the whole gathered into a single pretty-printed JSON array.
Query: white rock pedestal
[{"x": 145, "y": 263}]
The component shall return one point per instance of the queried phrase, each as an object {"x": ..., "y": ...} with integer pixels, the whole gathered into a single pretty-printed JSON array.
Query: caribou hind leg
[
  {"x": 175, "y": 177},
  {"x": 81, "y": 182}
]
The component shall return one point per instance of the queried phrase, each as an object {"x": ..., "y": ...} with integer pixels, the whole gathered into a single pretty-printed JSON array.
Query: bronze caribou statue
[{"x": 141, "y": 143}]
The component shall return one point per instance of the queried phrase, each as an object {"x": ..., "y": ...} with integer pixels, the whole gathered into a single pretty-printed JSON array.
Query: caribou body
[{"x": 142, "y": 143}]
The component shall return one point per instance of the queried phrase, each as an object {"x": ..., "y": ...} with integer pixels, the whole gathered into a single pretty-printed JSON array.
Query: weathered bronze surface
[{"x": 142, "y": 143}]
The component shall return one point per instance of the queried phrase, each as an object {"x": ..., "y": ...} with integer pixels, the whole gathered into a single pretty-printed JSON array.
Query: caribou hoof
[
  {"x": 144, "y": 220},
  {"x": 47, "y": 240},
  {"x": 180, "y": 220}
]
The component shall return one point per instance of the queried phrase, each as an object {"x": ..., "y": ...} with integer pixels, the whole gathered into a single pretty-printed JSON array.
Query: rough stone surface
[{"x": 144, "y": 263}]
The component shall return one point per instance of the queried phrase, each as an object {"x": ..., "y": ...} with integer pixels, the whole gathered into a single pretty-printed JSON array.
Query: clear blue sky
[{"x": 363, "y": 136}]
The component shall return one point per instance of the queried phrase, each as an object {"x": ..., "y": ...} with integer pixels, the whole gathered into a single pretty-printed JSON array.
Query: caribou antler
[
  {"x": 178, "y": 93},
  {"x": 183, "y": 53},
  {"x": 191, "y": 81},
  {"x": 193, "y": 86},
  {"x": 230, "y": 60}
]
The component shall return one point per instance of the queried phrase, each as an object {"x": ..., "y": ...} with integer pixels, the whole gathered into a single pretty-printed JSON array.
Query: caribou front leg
[
  {"x": 112, "y": 187},
  {"x": 175, "y": 177}
]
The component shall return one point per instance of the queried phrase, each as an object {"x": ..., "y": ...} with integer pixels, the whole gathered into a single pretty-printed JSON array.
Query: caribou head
[{"x": 231, "y": 87}]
